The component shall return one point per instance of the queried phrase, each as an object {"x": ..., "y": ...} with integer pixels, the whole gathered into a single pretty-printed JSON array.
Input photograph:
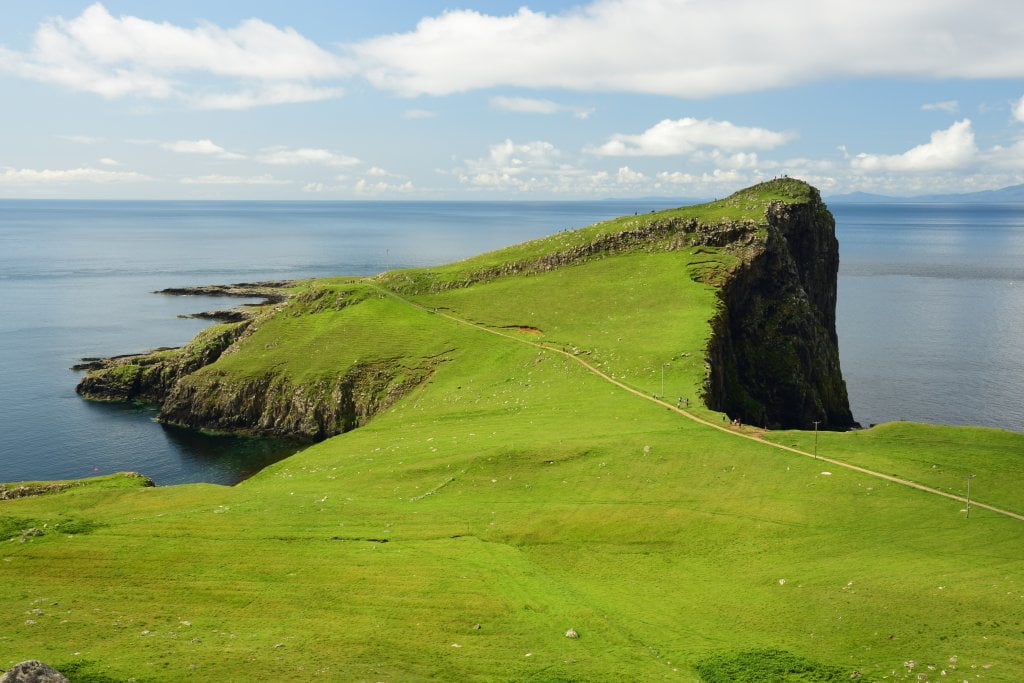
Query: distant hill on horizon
[{"x": 1011, "y": 194}]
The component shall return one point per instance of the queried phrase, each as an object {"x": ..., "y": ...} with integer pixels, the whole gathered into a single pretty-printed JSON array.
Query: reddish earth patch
[{"x": 525, "y": 329}]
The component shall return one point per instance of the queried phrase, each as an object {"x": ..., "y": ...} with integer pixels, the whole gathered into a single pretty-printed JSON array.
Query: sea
[{"x": 930, "y": 312}]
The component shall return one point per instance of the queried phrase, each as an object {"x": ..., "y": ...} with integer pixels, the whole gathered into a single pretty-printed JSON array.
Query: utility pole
[
  {"x": 969, "y": 477},
  {"x": 816, "y": 423}
]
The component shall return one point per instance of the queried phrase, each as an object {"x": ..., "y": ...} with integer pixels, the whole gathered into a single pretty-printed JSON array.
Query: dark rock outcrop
[
  {"x": 149, "y": 377},
  {"x": 271, "y": 405},
  {"x": 268, "y": 403},
  {"x": 272, "y": 291},
  {"x": 33, "y": 671},
  {"x": 774, "y": 356}
]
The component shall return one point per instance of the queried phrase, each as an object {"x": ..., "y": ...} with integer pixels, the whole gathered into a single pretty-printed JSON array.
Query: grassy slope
[
  {"x": 937, "y": 455},
  {"x": 519, "y": 492}
]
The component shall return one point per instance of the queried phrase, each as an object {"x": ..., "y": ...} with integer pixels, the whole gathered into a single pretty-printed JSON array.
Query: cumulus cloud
[
  {"x": 1018, "y": 110},
  {"x": 682, "y": 136},
  {"x": 538, "y": 166},
  {"x": 697, "y": 48},
  {"x": 107, "y": 161},
  {"x": 204, "y": 146},
  {"x": 627, "y": 176},
  {"x": 234, "y": 180},
  {"x": 531, "y": 105},
  {"x": 29, "y": 176},
  {"x": 283, "y": 156},
  {"x": 948, "y": 106},
  {"x": 129, "y": 56},
  {"x": 1005, "y": 157},
  {"x": 518, "y": 166},
  {"x": 950, "y": 148}
]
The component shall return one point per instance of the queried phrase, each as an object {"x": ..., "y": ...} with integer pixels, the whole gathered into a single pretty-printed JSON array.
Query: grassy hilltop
[{"x": 500, "y": 491}]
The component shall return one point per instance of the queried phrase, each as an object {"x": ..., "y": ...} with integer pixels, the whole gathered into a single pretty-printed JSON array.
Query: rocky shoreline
[
  {"x": 267, "y": 404},
  {"x": 149, "y": 376},
  {"x": 271, "y": 291}
]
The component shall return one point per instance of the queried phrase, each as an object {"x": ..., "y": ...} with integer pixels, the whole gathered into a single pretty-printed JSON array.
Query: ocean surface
[{"x": 930, "y": 319}]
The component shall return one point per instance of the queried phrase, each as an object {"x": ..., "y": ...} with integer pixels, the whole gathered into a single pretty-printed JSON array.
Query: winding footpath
[{"x": 695, "y": 418}]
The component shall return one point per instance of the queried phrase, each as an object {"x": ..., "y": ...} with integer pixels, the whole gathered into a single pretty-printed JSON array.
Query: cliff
[
  {"x": 330, "y": 354},
  {"x": 773, "y": 356}
]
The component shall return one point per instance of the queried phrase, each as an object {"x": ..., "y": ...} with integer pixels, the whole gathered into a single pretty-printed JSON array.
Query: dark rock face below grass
[
  {"x": 271, "y": 405},
  {"x": 149, "y": 377},
  {"x": 774, "y": 354}
]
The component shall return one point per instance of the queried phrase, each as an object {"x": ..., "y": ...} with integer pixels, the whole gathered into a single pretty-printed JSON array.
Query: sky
[{"x": 401, "y": 99}]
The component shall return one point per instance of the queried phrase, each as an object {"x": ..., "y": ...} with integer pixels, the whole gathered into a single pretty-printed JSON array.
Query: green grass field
[{"x": 515, "y": 495}]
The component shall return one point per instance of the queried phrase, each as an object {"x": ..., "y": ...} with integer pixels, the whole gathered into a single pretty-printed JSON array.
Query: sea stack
[{"x": 774, "y": 355}]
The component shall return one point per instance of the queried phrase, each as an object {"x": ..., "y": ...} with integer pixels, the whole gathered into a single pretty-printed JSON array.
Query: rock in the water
[
  {"x": 571, "y": 633},
  {"x": 33, "y": 671}
]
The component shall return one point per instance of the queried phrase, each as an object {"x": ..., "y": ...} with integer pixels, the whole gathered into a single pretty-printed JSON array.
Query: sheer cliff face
[{"x": 773, "y": 354}]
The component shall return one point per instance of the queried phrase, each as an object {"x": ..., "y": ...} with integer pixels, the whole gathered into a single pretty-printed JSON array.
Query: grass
[
  {"x": 937, "y": 455},
  {"x": 745, "y": 205},
  {"x": 520, "y": 495}
]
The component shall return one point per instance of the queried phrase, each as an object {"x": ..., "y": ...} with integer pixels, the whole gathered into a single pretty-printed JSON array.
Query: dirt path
[{"x": 700, "y": 420}]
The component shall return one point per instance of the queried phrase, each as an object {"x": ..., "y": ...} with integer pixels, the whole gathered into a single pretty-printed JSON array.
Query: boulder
[{"x": 33, "y": 671}]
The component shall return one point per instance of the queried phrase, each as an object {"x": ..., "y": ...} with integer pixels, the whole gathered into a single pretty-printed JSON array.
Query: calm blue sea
[{"x": 931, "y": 307}]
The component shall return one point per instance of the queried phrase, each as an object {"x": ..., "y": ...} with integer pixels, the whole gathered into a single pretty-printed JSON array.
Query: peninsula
[{"x": 585, "y": 457}]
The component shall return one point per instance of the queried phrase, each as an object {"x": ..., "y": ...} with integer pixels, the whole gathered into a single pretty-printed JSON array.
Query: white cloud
[
  {"x": 948, "y": 106},
  {"x": 107, "y": 161},
  {"x": 698, "y": 48},
  {"x": 718, "y": 176},
  {"x": 530, "y": 105},
  {"x": 204, "y": 146},
  {"x": 682, "y": 136},
  {"x": 736, "y": 160},
  {"x": 27, "y": 176},
  {"x": 418, "y": 114},
  {"x": 270, "y": 93},
  {"x": 234, "y": 180},
  {"x": 81, "y": 139},
  {"x": 627, "y": 176},
  {"x": 1011, "y": 157},
  {"x": 282, "y": 156},
  {"x": 522, "y": 167},
  {"x": 802, "y": 166},
  {"x": 365, "y": 187},
  {"x": 1018, "y": 110},
  {"x": 539, "y": 167},
  {"x": 129, "y": 56},
  {"x": 950, "y": 148},
  {"x": 318, "y": 187}
]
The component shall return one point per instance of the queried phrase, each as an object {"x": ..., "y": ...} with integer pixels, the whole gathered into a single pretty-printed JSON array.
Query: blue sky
[{"x": 486, "y": 100}]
